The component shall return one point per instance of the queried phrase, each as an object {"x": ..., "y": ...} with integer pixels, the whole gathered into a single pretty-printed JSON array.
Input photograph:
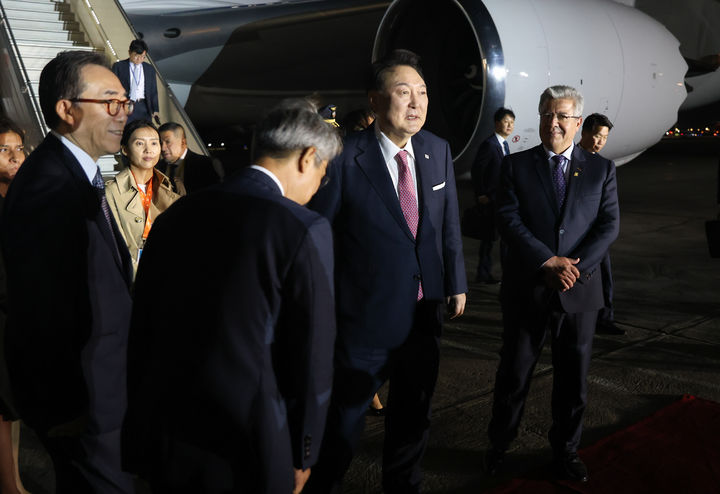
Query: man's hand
[
  {"x": 301, "y": 476},
  {"x": 561, "y": 273},
  {"x": 455, "y": 305}
]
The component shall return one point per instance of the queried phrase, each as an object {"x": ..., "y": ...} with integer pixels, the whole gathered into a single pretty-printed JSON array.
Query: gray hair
[
  {"x": 295, "y": 125},
  {"x": 562, "y": 92}
]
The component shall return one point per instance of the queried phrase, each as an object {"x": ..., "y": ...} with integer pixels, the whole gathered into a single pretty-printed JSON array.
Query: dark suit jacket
[
  {"x": 485, "y": 171},
  {"x": 122, "y": 71},
  {"x": 535, "y": 230},
  {"x": 198, "y": 171},
  {"x": 379, "y": 262},
  {"x": 69, "y": 299},
  {"x": 235, "y": 355}
]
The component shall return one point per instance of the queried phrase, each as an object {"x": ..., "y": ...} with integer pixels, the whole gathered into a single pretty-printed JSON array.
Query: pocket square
[{"x": 439, "y": 186}]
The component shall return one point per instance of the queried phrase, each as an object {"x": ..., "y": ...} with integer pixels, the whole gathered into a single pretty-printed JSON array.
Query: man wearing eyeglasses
[
  {"x": 558, "y": 214},
  {"x": 138, "y": 78},
  {"x": 69, "y": 274}
]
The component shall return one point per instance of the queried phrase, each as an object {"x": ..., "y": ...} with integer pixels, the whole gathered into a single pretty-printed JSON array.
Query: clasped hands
[{"x": 560, "y": 273}]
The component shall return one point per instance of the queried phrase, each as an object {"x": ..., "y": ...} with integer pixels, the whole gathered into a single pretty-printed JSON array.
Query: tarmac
[{"x": 667, "y": 294}]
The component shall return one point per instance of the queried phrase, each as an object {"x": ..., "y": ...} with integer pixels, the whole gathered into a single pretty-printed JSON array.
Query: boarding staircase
[{"x": 33, "y": 32}]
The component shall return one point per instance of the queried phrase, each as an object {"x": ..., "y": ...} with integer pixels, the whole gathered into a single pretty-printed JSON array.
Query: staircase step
[
  {"x": 32, "y": 62},
  {"x": 107, "y": 165},
  {"x": 49, "y": 50},
  {"x": 38, "y": 15},
  {"x": 36, "y": 5},
  {"x": 54, "y": 25},
  {"x": 38, "y": 35}
]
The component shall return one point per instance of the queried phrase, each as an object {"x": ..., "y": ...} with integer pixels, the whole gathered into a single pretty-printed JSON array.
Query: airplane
[{"x": 230, "y": 60}]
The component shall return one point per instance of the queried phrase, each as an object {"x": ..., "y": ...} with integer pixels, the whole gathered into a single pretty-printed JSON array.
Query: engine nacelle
[{"x": 480, "y": 55}]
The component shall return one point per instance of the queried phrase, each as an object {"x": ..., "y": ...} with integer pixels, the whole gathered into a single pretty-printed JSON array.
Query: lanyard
[
  {"x": 136, "y": 77},
  {"x": 146, "y": 199}
]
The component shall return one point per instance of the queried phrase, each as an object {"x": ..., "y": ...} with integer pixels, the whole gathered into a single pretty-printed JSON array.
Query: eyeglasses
[
  {"x": 561, "y": 117},
  {"x": 111, "y": 105},
  {"x": 324, "y": 181}
]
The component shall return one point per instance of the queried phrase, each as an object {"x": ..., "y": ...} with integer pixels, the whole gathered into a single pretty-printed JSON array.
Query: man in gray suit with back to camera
[{"x": 558, "y": 214}]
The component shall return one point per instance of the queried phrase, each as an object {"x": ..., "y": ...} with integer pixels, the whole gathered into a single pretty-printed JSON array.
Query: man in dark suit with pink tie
[
  {"x": 393, "y": 206},
  {"x": 558, "y": 214}
]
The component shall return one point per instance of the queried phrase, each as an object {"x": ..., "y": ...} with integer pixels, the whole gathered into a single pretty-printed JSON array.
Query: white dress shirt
[{"x": 389, "y": 150}]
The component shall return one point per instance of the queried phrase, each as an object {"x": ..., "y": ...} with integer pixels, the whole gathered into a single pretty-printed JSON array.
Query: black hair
[
  {"x": 132, "y": 127},
  {"x": 501, "y": 112},
  {"x": 380, "y": 67},
  {"x": 138, "y": 46},
  {"x": 60, "y": 79},
  {"x": 171, "y": 126},
  {"x": 7, "y": 125},
  {"x": 594, "y": 120}
]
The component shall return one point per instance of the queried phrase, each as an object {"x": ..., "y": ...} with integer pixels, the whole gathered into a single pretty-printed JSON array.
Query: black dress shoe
[
  {"x": 494, "y": 459},
  {"x": 570, "y": 467},
  {"x": 608, "y": 327},
  {"x": 375, "y": 412}
]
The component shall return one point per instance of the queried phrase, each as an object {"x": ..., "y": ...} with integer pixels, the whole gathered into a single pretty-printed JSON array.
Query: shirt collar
[
  {"x": 89, "y": 166},
  {"x": 271, "y": 175},
  {"x": 567, "y": 153},
  {"x": 389, "y": 149}
]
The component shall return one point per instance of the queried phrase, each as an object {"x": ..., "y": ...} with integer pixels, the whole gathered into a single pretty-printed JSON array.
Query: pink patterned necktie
[{"x": 406, "y": 195}]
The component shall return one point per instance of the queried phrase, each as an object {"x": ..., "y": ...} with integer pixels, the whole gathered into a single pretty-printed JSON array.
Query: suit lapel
[
  {"x": 423, "y": 169},
  {"x": 371, "y": 162},
  {"x": 498, "y": 147},
  {"x": 542, "y": 167},
  {"x": 123, "y": 262},
  {"x": 575, "y": 177}
]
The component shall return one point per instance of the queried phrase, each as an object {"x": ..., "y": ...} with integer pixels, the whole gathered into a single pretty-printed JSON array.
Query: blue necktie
[
  {"x": 108, "y": 226},
  {"x": 558, "y": 177},
  {"x": 506, "y": 148}
]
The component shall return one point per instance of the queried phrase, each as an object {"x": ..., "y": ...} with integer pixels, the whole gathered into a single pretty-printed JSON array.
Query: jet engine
[{"x": 480, "y": 55}]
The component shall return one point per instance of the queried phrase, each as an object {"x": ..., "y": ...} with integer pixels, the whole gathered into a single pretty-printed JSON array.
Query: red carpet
[{"x": 676, "y": 450}]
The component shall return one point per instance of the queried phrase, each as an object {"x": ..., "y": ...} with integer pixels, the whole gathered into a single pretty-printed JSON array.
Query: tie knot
[
  {"x": 559, "y": 160},
  {"x": 98, "y": 182},
  {"x": 402, "y": 157}
]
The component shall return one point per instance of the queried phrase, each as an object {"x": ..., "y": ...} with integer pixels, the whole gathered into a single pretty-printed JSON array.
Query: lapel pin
[
  {"x": 427, "y": 156},
  {"x": 575, "y": 174}
]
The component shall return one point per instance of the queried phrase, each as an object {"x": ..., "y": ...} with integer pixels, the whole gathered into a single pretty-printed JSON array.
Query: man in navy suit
[
  {"x": 229, "y": 381},
  {"x": 485, "y": 175},
  {"x": 594, "y": 135},
  {"x": 558, "y": 214},
  {"x": 138, "y": 78},
  {"x": 69, "y": 275},
  {"x": 393, "y": 205}
]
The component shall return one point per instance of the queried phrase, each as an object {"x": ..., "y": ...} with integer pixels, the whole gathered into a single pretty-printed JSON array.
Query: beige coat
[{"x": 124, "y": 200}]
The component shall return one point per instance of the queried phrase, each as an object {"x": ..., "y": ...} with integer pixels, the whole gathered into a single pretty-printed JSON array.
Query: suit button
[
  {"x": 417, "y": 277},
  {"x": 562, "y": 231},
  {"x": 138, "y": 219}
]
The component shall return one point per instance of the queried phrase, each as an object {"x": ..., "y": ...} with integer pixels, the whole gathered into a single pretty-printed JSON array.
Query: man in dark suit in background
[
  {"x": 558, "y": 214},
  {"x": 393, "y": 206},
  {"x": 485, "y": 175},
  {"x": 229, "y": 383},
  {"x": 595, "y": 131},
  {"x": 138, "y": 78},
  {"x": 69, "y": 275},
  {"x": 187, "y": 171}
]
